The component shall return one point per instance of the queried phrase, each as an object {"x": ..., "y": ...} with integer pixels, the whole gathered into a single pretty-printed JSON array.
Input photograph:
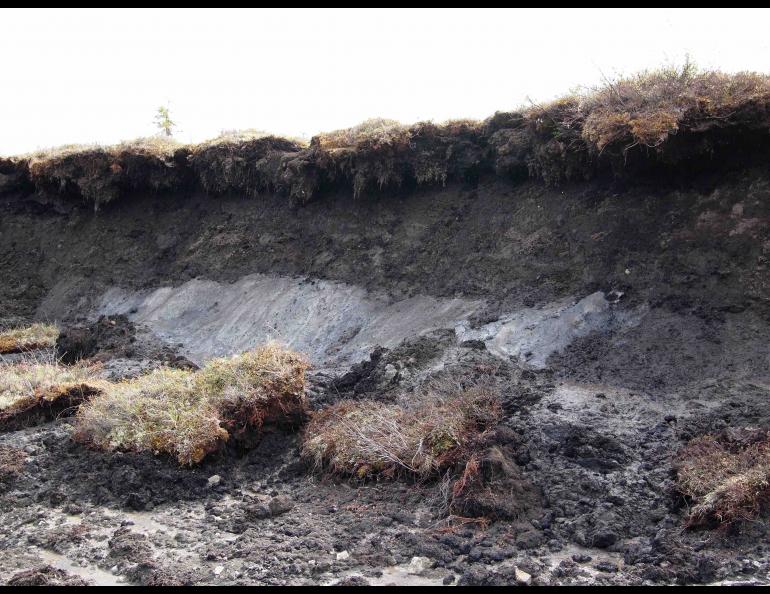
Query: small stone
[
  {"x": 214, "y": 480},
  {"x": 219, "y": 569},
  {"x": 419, "y": 565},
  {"x": 258, "y": 511},
  {"x": 522, "y": 577},
  {"x": 343, "y": 556},
  {"x": 389, "y": 373},
  {"x": 280, "y": 505}
]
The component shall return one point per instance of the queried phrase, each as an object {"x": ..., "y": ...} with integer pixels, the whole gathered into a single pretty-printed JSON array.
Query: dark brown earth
[{"x": 589, "y": 438}]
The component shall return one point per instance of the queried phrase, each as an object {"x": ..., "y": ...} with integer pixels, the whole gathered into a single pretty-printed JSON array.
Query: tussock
[
  {"x": 666, "y": 116},
  {"x": 159, "y": 412},
  {"x": 727, "y": 477},
  {"x": 262, "y": 386},
  {"x": 366, "y": 438},
  {"x": 34, "y": 391},
  {"x": 30, "y": 338},
  {"x": 381, "y": 154},
  {"x": 191, "y": 414}
]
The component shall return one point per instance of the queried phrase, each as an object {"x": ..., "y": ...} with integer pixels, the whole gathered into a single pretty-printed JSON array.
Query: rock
[
  {"x": 606, "y": 567},
  {"x": 389, "y": 373},
  {"x": 280, "y": 505},
  {"x": 343, "y": 556},
  {"x": 258, "y": 511},
  {"x": 522, "y": 577},
  {"x": 604, "y": 537},
  {"x": 214, "y": 480},
  {"x": 218, "y": 569},
  {"x": 419, "y": 565}
]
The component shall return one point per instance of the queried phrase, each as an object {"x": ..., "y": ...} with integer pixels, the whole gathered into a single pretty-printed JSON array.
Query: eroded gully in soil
[{"x": 614, "y": 332}]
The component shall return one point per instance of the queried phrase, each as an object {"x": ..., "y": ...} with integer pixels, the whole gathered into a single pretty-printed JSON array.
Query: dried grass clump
[
  {"x": 31, "y": 391},
  {"x": 365, "y": 438},
  {"x": 190, "y": 414},
  {"x": 650, "y": 107},
  {"x": 374, "y": 131},
  {"x": 263, "y": 386},
  {"x": 159, "y": 412},
  {"x": 727, "y": 478},
  {"x": 642, "y": 116},
  {"x": 30, "y": 338}
]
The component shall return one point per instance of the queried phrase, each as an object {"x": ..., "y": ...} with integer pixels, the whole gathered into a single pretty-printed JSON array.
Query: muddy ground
[{"x": 617, "y": 323}]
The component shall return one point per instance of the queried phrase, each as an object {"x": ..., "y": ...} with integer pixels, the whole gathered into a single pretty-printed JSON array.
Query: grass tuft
[
  {"x": 33, "y": 390},
  {"x": 366, "y": 438},
  {"x": 191, "y": 414},
  {"x": 30, "y": 338},
  {"x": 159, "y": 412}
]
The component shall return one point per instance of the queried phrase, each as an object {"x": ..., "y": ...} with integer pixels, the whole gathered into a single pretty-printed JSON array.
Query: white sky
[{"x": 81, "y": 76}]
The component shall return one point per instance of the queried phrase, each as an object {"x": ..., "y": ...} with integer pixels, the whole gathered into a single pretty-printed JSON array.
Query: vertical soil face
[
  {"x": 654, "y": 303},
  {"x": 511, "y": 245}
]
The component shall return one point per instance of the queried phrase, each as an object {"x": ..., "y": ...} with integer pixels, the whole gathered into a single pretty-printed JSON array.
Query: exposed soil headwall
[{"x": 617, "y": 319}]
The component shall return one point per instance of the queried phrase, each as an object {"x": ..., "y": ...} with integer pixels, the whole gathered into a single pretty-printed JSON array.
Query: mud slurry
[{"x": 616, "y": 323}]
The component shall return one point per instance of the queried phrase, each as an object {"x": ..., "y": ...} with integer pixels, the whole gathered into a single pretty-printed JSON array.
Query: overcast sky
[{"x": 82, "y": 76}]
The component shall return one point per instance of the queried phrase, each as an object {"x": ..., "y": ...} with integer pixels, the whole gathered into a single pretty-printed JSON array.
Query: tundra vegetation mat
[{"x": 535, "y": 350}]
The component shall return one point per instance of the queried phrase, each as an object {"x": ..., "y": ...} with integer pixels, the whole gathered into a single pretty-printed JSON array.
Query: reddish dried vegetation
[{"x": 726, "y": 476}]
